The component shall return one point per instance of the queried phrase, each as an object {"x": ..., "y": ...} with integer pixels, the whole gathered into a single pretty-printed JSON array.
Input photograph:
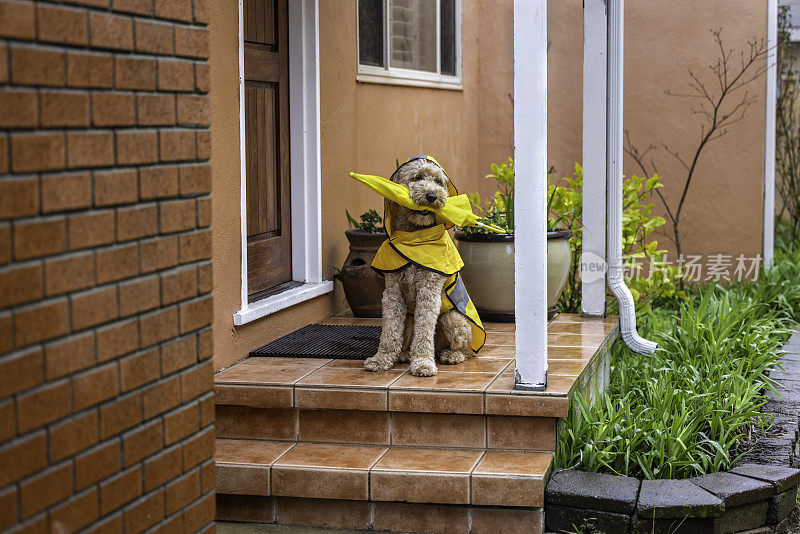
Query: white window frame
[
  {"x": 410, "y": 77},
  {"x": 305, "y": 166}
]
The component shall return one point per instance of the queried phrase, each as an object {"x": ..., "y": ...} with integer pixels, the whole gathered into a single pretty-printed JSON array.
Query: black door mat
[{"x": 347, "y": 342}]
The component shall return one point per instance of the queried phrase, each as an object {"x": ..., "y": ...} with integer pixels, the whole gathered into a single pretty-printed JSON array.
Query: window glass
[
  {"x": 412, "y": 34},
  {"x": 370, "y": 32},
  {"x": 447, "y": 28}
]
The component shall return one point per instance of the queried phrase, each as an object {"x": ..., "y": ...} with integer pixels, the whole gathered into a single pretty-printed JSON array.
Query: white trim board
[
  {"x": 768, "y": 238},
  {"x": 305, "y": 166}
]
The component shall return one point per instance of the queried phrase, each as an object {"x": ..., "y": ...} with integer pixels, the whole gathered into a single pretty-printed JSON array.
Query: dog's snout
[{"x": 430, "y": 197}]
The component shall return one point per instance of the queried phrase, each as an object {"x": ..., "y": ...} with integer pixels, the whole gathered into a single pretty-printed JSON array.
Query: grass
[{"x": 687, "y": 410}]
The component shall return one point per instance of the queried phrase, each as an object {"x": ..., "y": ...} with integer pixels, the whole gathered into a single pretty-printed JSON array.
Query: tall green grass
[{"x": 684, "y": 411}]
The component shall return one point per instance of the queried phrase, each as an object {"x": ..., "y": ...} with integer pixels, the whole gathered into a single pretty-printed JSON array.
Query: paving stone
[
  {"x": 781, "y": 505},
  {"x": 664, "y": 499},
  {"x": 759, "y": 530},
  {"x": 781, "y": 477},
  {"x": 745, "y": 517},
  {"x": 784, "y": 394},
  {"x": 778, "y": 406},
  {"x": 734, "y": 490},
  {"x": 595, "y": 491},
  {"x": 689, "y": 525},
  {"x": 569, "y": 519},
  {"x": 783, "y": 526},
  {"x": 755, "y": 457}
]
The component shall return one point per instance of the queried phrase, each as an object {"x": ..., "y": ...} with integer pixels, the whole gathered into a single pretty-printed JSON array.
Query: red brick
[
  {"x": 120, "y": 490},
  {"x": 117, "y": 339},
  {"x": 139, "y": 369},
  {"x": 69, "y": 273},
  {"x": 73, "y": 435},
  {"x": 117, "y": 263},
  {"x": 202, "y": 83},
  {"x": 76, "y": 513},
  {"x": 183, "y": 491},
  {"x": 110, "y": 525},
  {"x": 95, "y": 386},
  {"x": 90, "y": 70},
  {"x": 17, "y": 20},
  {"x": 158, "y": 182},
  {"x": 198, "y": 449},
  {"x": 44, "y": 405},
  {"x": 191, "y": 42},
  {"x": 3, "y": 63},
  {"x": 195, "y": 246},
  {"x": 95, "y": 149},
  {"x": 176, "y": 145},
  {"x": 195, "y": 179},
  {"x": 97, "y": 464},
  {"x": 94, "y": 307},
  {"x": 6, "y": 332},
  {"x": 40, "y": 322},
  {"x": 154, "y": 37},
  {"x": 37, "y": 152},
  {"x": 4, "y": 156},
  {"x": 92, "y": 3},
  {"x": 137, "y": 222},
  {"x": 178, "y": 285},
  {"x": 18, "y": 109},
  {"x": 64, "y": 109},
  {"x": 158, "y": 326},
  {"x": 174, "y": 9},
  {"x": 193, "y": 110},
  {"x": 172, "y": 524},
  {"x": 20, "y": 372},
  {"x": 142, "y": 442},
  {"x": 19, "y": 197},
  {"x": 8, "y": 508},
  {"x": 60, "y": 25},
  {"x": 34, "y": 66},
  {"x": 47, "y": 488},
  {"x": 156, "y": 109},
  {"x": 201, "y": 11},
  {"x": 178, "y": 355},
  {"x": 203, "y": 144},
  {"x": 23, "y": 457},
  {"x": 8, "y": 421},
  {"x": 204, "y": 213},
  {"x": 69, "y": 355},
  {"x": 111, "y": 31},
  {"x": 196, "y": 314},
  {"x": 138, "y": 296},
  {"x": 181, "y": 423},
  {"x": 115, "y": 187},
  {"x": 120, "y": 415},
  {"x": 66, "y": 192},
  {"x": 162, "y": 397},
  {"x": 177, "y": 216},
  {"x": 142, "y": 7},
  {"x": 145, "y": 513},
  {"x": 137, "y": 147},
  {"x": 5, "y": 244},
  {"x": 200, "y": 514},
  {"x": 207, "y": 414},
  {"x": 113, "y": 109},
  {"x": 20, "y": 284},
  {"x": 205, "y": 344},
  {"x": 91, "y": 229},
  {"x": 159, "y": 253},
  {"x": 207, "y": 477},
  {"x": 161, "y": 468},
  {"x": 133, "y": 73},
  {"x": 204, "y": 280},
  {"x": 175, "y": 75},
  {"x": 41, "y": 237}
]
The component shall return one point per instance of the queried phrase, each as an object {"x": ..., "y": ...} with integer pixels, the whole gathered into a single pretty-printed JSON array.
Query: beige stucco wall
[{"x": 366, "y": 127}]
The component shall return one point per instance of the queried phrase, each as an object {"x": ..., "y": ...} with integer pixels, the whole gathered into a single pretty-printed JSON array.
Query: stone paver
[
  {"x": 665, "y": 499},
  {"x": 597, "y": 491}
]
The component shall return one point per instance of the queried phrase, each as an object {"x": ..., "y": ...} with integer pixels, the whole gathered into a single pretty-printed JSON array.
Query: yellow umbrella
[{"x": 456, "y": 211}]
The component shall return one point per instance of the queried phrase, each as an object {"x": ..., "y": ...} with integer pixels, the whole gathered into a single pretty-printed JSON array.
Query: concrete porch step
[{"x": 379, "y": 473}]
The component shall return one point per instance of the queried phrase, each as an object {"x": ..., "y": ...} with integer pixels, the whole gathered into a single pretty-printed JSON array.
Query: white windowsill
[
  {"x": 282, "y": 300},
  {"x": 407, "y": 77}
]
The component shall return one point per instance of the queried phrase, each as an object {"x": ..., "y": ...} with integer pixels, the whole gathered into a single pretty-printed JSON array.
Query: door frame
[{"x": 305, "y": 166}]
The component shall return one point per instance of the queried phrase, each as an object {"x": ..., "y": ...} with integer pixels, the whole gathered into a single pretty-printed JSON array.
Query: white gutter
[
  {"x": 768, "y": 251},
  {"x": 627, "y": 310}
]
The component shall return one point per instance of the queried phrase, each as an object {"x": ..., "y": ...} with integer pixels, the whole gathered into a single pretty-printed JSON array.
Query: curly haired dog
[{"x": 413, "y": 329}]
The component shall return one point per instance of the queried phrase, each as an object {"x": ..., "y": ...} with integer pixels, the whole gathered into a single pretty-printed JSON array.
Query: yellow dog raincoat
[{"x": 429, "y": 248}]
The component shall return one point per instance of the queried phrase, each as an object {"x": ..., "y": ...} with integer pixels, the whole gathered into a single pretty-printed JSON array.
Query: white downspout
[{"x": 627, "y": 310}]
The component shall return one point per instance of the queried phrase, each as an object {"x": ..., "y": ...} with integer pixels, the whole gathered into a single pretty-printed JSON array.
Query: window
[{"x": 410, "y": 42}]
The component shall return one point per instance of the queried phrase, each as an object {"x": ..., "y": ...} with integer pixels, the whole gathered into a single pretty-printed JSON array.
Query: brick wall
[{"x": 106, "y": 410}]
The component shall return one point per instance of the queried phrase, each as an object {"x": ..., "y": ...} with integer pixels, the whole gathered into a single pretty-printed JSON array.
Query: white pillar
[
  {"x": 530, "y": 160},
  {"x": 595, "y": 45},
  {"x": 769, "y": 133}
]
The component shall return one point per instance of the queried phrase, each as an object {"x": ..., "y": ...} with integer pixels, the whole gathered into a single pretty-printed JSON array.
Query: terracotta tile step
[
  {"x": 379, "y": 473},
  {"x": 405, "y": 429}
]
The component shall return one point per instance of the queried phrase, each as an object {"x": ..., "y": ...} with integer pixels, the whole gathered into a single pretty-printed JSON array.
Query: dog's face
[{"x": 427, "y": 185}]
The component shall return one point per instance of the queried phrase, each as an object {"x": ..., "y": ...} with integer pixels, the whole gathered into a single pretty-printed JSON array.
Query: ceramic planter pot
[
  {"x": 363, "y": 287},
  {"x": 489, "y": 271}
]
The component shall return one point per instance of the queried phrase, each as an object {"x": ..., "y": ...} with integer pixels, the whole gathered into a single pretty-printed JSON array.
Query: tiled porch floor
[{"x": 483, "y": 385}]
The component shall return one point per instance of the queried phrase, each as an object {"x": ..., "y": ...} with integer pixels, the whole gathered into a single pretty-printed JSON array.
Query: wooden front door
[{"x": 266, "y": 97}]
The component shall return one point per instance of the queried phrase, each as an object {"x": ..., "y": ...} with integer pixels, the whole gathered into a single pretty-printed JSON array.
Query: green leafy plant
[
  {"x": 586, "y": 527},
  {"x": 499, "y": 210},
  {"x": 371, "y": 221}
]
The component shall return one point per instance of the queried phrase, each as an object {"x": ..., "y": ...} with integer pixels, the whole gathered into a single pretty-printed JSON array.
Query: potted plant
[
  {"x": 489, "y": 258},
  {"x": 363, "y": 287}
]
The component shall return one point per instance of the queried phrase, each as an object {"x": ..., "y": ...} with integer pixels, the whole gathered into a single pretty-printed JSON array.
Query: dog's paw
[
  {"x": 451, "y": 357},
  {"x": 423, "y": 367},
  {"x": 379, "y": 362},
  {"x": 404, "y": 357}
]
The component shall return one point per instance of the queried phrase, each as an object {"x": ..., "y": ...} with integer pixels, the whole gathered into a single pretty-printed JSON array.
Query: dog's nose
[{"x": 430, "y": 197}]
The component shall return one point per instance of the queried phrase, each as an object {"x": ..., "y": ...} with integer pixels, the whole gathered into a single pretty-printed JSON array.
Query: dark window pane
[
  {"x": 370, "y": 32},
  {"x": 447, "y": 17}
]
